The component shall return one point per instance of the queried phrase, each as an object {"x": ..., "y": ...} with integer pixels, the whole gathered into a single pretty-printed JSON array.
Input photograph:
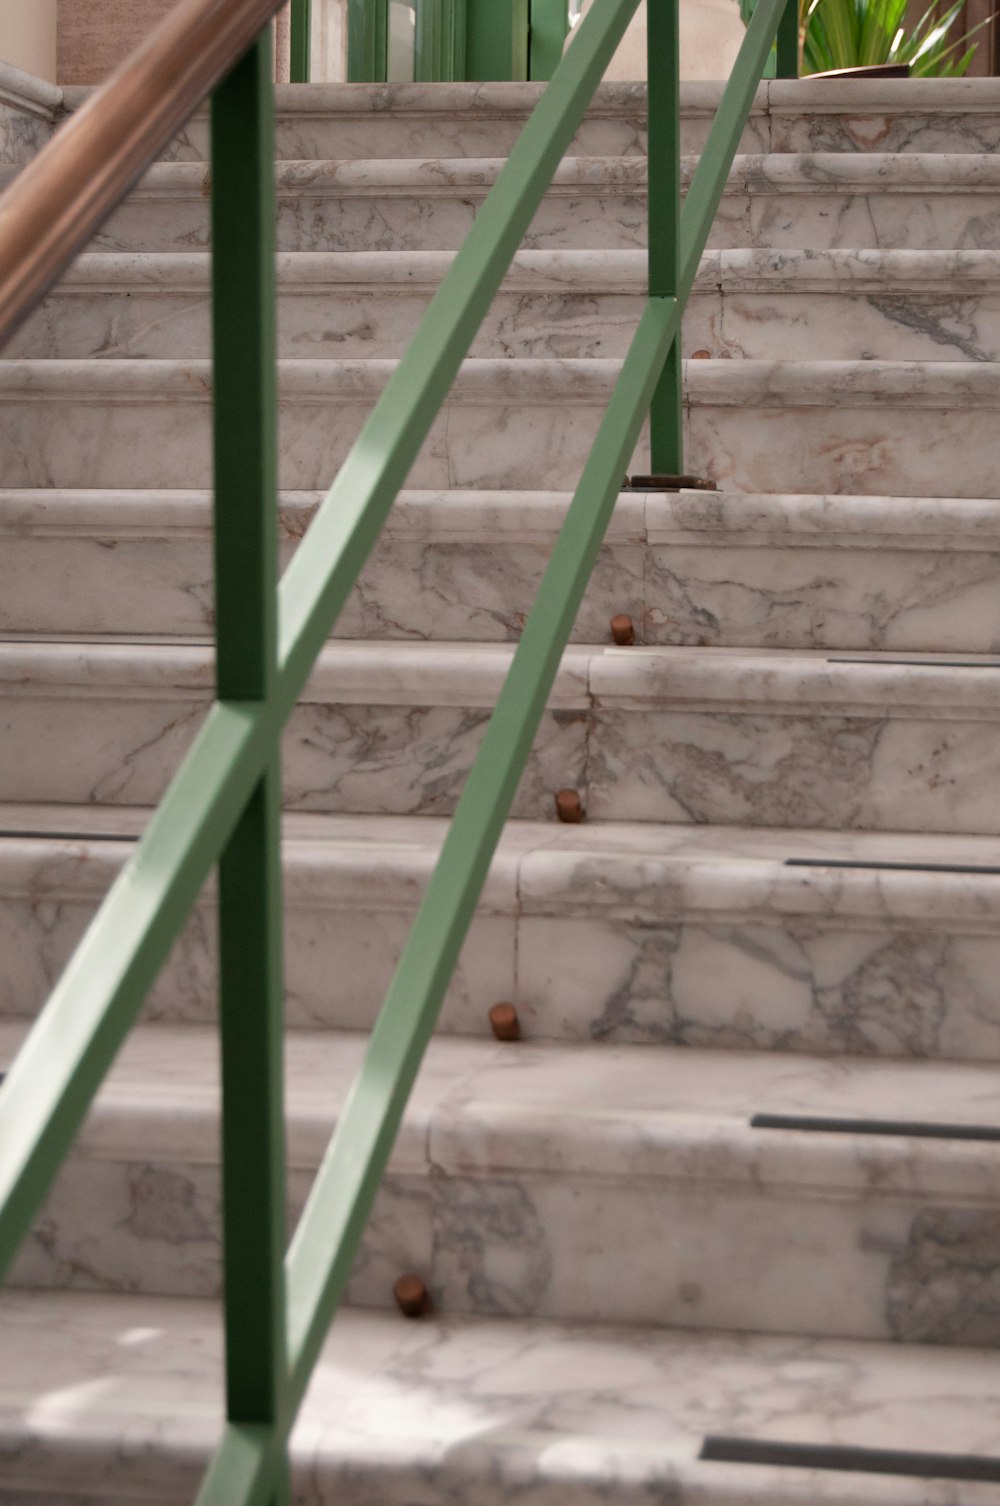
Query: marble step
[
  {"x": 455, "y": 1411},
  {"x": 593, "y": 1183},
  {"x": 865, "y": 943},
  {"x": 853, "y": 305},
  {"x": 731, "y": 569},
  {"x": 907, "y": 427},
  {"x": 918, "y": 201},
  {"x": 736, "y": 736},
  {"x": 484, "y": 120}
]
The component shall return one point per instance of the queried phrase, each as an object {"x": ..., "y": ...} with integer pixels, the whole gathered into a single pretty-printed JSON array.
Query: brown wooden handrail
[{"x": 54, "y": 206}]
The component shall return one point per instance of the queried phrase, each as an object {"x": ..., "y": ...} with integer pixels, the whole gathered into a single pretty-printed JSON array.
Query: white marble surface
[
  {"x": 857, "y": 305},
  {"x": 650, "y": 933},
  {"x": 513, "y": 1185},
  {"x": 28, "y": 110},
  {"x": 779, "y": 737},
  {"x": 775, "y": 571},
  {"x": 451, "y": 1411},
  {"x": 757, "y": 304},
  {"x": 883, "y": 115},
  {"x": 552, "y": 303},
  {"x": 918, "y": 428},
  {"x": 84, "y": 423},
  {"x": 841, "y": 426},
  {"x": 459, "y": 119},
  {"x": 455, "y": 565},
  {"x": 336, "y": 120},
  {"x": 916, "y": 201},
  {"x": 116, "y": 729}
]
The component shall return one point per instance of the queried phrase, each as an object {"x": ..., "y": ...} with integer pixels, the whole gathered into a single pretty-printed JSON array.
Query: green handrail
[{"x": 223, "y": 804}]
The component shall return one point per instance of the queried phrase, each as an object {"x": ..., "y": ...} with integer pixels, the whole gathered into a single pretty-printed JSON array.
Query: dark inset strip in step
[
  {"x": 817, "y": 1123},
  {"x": 68, "y": 836},
  {"x": 890, "y": 867},
  {"x": 921, "y": 663},
  {"x": 873, "y": 1461}
]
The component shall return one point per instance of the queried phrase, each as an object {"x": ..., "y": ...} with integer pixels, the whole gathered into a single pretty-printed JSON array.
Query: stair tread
[
  {"x": 649, "y": 869},
  {"x": 440, "y": 177},
  {"x": 758, "y": 519},
  {"x": 488, "y": 380},
  {"x": 567, "y": 271},
  {"x": 408, "y": 672},
  {"x": 490, "y": 1409},
  {"x": 482, "y": 1109},
  {"x": 909, "y": 96}
]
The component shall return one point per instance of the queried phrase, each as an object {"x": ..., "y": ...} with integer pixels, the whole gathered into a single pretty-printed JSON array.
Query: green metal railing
[
  {"x": 223, "y": 806},
  {"x": 301, "y": 70}
]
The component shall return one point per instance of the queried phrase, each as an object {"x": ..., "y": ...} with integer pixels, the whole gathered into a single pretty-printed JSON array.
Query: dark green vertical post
[
  {"x": 664, "y": 147},
  {"x": 367, "y": 41},
  {"x": 440, "y": 41},
  {"x": 497, "y": 35},
  {"x": 301, "y": 41},
  {"x": 250, "y": 960},
  {"x": 788, "y": 42},
  {"x": 549, "y": 29}
]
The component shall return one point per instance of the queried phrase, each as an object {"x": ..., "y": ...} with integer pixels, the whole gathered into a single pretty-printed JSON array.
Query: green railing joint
[{"x": 224, "y": 803}]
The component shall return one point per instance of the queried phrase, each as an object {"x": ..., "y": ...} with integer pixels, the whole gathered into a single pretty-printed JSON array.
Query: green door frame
[
  {"x": 479, "y": 40},
  {"x": 549, "y": 30}
]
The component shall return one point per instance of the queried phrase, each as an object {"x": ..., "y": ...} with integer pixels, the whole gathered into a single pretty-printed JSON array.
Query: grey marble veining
[
  {"x": 22, "y": 135},
  {"x": 906, "y": 573},
  {"x": 741, "y": 737},
  {"x": 757, "y": 304},
  {"x": 348, "y": 304},
  {"x": 337, "y": 120},
  {"x": 917, "y": 201},
  {"x": 513, "y": 1187},
  {"x": 848, "y": 426},
  {"x": 673, "y": 935},
  {"x": 394, "y": 760},
  {"x": 482, "y": 1410},
  {"x": 881, "y": 115},
  {"x": 459, "y": 119},
  {"x": 82, "y": 423},
  {"x": 28, "y": 110},
  {"x": 674, "y": 972}
]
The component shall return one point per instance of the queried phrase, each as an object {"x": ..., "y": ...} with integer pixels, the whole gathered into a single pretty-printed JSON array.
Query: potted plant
[{"x": 837, "y": 34}]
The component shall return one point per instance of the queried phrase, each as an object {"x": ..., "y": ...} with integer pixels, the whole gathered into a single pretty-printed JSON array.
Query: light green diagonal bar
[{"x": 348, "y": 1179}]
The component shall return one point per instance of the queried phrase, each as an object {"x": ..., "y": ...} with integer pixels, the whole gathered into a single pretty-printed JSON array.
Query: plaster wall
[
  {"x": 28, "y": 36},
  {"x": 95, "y": 36},
  {"x": 711, "y": 35}
]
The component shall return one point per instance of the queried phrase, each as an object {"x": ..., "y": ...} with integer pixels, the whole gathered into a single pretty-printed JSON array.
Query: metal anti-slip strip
[
  {"x": 69, "y": 836},
  {"x": 830, "y": 1126},
  {"x": 890, "y": 867},
  {"x": 921, "y": 663},
  {"x": 874, "y": 1461}
]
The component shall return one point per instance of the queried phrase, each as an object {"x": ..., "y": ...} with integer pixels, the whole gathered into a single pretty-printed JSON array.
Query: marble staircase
[{"x": 783, "y": 901}]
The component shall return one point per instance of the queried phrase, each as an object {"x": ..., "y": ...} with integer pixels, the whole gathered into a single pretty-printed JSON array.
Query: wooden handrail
[{"x": 59, "y": 201}]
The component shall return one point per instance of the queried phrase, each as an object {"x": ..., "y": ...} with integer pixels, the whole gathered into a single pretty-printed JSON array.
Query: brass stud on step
[
  {"x": 569, "y": 806},
  {"x": 701, "y": 355},
  {"x": 412, "y": 1296},
  {"x": 505, "y": 1023},
  {"x": 623, "y": 630}
]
